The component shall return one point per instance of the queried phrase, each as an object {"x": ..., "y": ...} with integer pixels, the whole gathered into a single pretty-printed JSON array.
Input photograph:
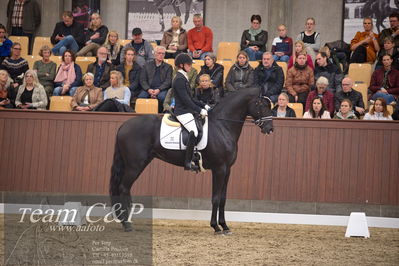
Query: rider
[{"x": 185, "y": 106}]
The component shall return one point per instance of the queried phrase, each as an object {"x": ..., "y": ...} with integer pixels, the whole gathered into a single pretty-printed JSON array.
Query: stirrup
[{"x": 192, "y": 167}]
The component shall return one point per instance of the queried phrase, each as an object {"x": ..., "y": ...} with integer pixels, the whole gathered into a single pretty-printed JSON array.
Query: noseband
[{"x": 262, "y": 120}]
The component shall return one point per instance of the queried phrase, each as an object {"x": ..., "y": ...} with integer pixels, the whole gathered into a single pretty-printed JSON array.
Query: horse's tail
[{"x": 117, "y": 171}]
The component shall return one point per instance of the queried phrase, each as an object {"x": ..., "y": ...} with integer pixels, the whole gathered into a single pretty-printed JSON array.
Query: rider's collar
[{"x": 184, "y": 73}]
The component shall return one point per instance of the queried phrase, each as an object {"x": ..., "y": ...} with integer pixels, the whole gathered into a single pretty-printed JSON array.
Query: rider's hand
[
  {"x": 207, "y": 107},
  {"x": 204, "y": 113}
]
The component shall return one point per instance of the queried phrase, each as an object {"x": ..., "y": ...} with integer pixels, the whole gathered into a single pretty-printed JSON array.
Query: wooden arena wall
[{"x": 303, "y": 160}]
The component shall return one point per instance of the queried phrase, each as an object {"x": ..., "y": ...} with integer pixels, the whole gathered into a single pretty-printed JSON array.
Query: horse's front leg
[
  {"x": 218, "y": 176},
  {"x": 222, "y": 220}
]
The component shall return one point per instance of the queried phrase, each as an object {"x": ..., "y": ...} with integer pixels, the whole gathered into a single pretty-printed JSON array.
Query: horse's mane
[{"x": 231, "y": 98}]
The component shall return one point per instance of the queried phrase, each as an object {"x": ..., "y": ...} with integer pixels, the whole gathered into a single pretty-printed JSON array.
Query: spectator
[
  {"x": 214, "y": 70},
  {"x": 169, "y": 102},
  {"x": 321, "y": 92},
  {"x": 16, "y": 66},
  {"x": 310, "y": 38},
  {"x": 31, "y": 94},
  {"x": 241, "y": 74},
  {"x": 282, "y": 45},
  {"x": 269, "y": 77},
  {"x": 349, "y": 93},
  {"x": 282, "y": 109},
  {"x": 345, "y": 111},
  {"x": 67, "y": 34},
  {"x": 200, "y": 39},
  {"x": 130, "y": 71},
  {"x": 69, "y": 75},
  {"x": 88, "y": 96},
  {"x": 204, "y": 92},
  {"x": 391, "y": 49},
  {"x": 114, "y": 47},
  {"x": 5, "y": 48},
  {"x": 385, "y": 81},
  {"x": 378, "y": 111},
  {"x": 300, "y": 48},
  {"x": 338, "y": 53},
  {"x": 5, "y": 89},
  {"x": 23, "y": 18},
  {"x": 156, "y": 77},
  {"x": 299, "y": 80},
  {"x": 317, "y": 110},
  {"x": 144, "y": 51},
  {"x": 101, "y": 69},
  {"x": 46, "y": 70},
  {"x": 253, "y": 40},
  {"x": 365, "y": 45},
  {"x": 324, "y": 68},
  {"x": 393, "y": 31},
  {"x": 116, "y": 90},
  {"x": 95, "y": 36},
  {"x": 175, "y": 39}
]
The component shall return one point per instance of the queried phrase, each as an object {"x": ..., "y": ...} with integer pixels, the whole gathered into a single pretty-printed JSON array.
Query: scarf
[
  {"x": 297, "y": 66},
  {"x": 385, "y": 81},
  {"x": 254, "y": 32},
  {"x": 66, "y": 74}
]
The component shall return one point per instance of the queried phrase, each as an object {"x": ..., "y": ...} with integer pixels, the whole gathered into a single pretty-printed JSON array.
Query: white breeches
[{"x": 188, "y": 122}]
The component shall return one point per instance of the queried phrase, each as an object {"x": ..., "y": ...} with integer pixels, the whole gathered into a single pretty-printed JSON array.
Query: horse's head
[{"x": 260, "y": 110}]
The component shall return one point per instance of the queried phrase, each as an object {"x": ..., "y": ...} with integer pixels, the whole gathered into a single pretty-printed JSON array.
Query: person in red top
[
  {"x": 199, "y": 39},
  {"x": 321, "y": 91},
  {"x": 385, "y": 81}
]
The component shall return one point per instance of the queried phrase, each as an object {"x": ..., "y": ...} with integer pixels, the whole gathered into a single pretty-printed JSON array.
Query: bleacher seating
[
  {"x": 56, "y": 59},
  {"x": 60, "y": 103},
  {"x": 146, "y": 106},
  {"x": 124, "y": 42},
  {"x": 39, "y": 42},
  {"x": 170, "y": 61},
  {"x": 31, "y": 60},
  {"x": 284, "y": 66},
  {"x": 360, "y": 73},
  {"x": 84, "y": 62},
  {"x": 227, "y": 51},
  {"x": 24, "y": 41},
  {"x": 298, "y": 108},
  {"x": 362, "y": 88},
  {"x": 227, "y": 65},
  {"x": 197, "y": 64},
  {"x": 254, "y": 64}
]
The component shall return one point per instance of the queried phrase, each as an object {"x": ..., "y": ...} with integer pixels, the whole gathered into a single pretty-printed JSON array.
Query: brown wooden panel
[{"x": 304, "y": 160}]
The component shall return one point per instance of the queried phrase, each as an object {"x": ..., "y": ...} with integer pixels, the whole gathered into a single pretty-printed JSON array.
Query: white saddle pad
[{"x": 171, "y": 139}]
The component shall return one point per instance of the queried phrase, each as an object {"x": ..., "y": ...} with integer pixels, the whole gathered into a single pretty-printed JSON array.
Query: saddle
[{"x": 171, "y": 120}]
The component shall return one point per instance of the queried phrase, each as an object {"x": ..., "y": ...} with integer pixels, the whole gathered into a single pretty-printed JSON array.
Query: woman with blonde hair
[
  {"x": 175, "y": 39},
  {"x": 31, "y": 94},
  {"x": 95, "y": 36},
  {"x": 114, "y": 47},
  {"x": 378, "y": 111},
  {"x": 365, "y": 44},
  {"x": 282, "y": 109},
  {"x": 5, "y": 89},
  {"x": 46, "y": 69},
  {"x": 88, "y": 96},
  {"x": 300, "y": 48}
]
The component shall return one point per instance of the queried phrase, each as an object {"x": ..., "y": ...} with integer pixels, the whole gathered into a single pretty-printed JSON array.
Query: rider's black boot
[{"x": 188, "y": 164}]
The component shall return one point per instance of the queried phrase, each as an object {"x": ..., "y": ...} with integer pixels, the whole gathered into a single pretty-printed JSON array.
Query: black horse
[{"x": 138, "y": 142}]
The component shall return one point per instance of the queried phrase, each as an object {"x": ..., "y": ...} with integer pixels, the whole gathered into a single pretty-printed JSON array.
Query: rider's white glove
[
  {"x": 204, "y": 113},
  {"x": 207, "y": 107}
]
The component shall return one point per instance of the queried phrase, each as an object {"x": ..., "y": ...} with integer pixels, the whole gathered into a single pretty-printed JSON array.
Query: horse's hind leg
[{"x": 222, "y": 221}]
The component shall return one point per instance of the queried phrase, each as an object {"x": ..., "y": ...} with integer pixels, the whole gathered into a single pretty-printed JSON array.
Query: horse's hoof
[
  {"x": 218, "y": 233},
  {"x": 127, "y": 226},
  {"x": 227, "y": 232}
]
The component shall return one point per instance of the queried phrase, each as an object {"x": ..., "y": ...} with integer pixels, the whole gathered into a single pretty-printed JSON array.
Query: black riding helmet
[{"x": 183, "y": 58}]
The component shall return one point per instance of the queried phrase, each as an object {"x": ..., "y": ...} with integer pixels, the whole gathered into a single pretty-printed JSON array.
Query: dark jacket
[
  {"x": 239, "y": 77},
  {"x": 31, "y": 16},
  {"x": 103, "y": 31},
  {"x": 184, "y": 103},
  {"x": 395, "y": 57},
  {"x": 272, "y": 84},
  {"x": 332, "y": 73},
  {"x": 393, "y": 81},
  {"x": 216, "y": 74},
  {"x": 208, "y": 96},
  {"x": 147, "y": 75},
  {"x": 104, "y": 80},
  {"x": 134, "y": 78},
  {"x": 78, "y": 79},
  {"x": 354, "y": 96},
  {"x": 76, "y": 30},
  {"x": 260, "y": 40},
  {"x": 289, "y": 112}
]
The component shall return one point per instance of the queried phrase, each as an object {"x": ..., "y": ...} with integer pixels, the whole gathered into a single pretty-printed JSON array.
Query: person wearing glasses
[
  {"x": 365, "y": 44},
  {"x": 349, "y": 93},
  {"x": 392, "y": 31},
  {"x": 156, "y": 77},
  {"x": 101, "y": 69}
]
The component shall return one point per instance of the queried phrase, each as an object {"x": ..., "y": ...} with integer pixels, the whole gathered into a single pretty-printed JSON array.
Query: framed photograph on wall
[
  {"x": 356, "y": 10},
  {"x": 154, "y": 16},
  {"x": 82, "y": 9}
]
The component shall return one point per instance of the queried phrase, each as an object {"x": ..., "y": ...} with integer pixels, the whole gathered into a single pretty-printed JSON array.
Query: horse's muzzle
[{"x": 267, "y": 127}]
